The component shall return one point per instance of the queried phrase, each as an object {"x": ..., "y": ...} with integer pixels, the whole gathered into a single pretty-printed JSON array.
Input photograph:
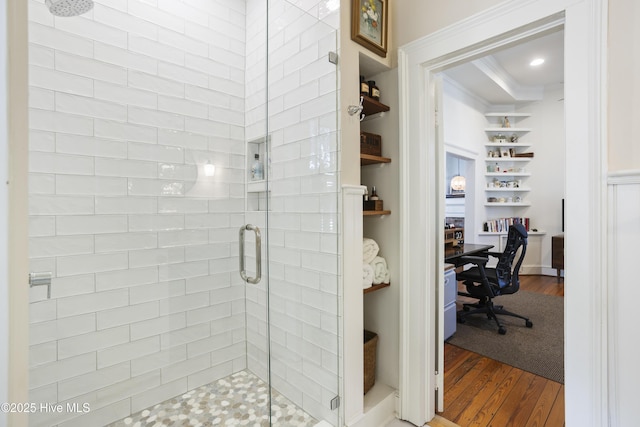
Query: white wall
[
  {"x": 547, "y": 169},
  {"x": 624, "y": 84},
  {"x": 464, "y": 121},
  {"x": 417, "y": 18}
]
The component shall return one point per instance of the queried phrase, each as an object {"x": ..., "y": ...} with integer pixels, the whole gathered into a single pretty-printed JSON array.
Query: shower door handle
[{"x": 243, "y": 272}]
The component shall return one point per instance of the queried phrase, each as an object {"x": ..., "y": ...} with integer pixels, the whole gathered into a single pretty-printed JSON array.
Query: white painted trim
[
  {"x": 416, "y": 402},
  {"x": 624, "y": 233},
  {"x": 441, "y": 45},
  {"x": 467, "y": 92},
  {"x": 4, "y": 215},
  {"x": 624, "y": 177},
  {"x": 379, "y": 407},
  {"x": 492, "y": 69},
  {"x": 539, "y": 270},
  {"x": 352, "y": 318},
  {"x": 18, "y": 257},
  {"x": 460, "y": 151},
  {"x": 612, "y": 389},
  {"x": 585, "y": 88}
]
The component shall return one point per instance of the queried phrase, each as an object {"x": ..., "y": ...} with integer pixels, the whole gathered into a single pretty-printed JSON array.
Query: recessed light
[{"x": 536, "y": 62}]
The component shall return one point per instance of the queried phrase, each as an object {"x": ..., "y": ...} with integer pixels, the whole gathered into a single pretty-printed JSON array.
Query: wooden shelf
[
  {"x": 369, "y": 159},
  {"x": 371, "y": 106},
  {"x": 371, "y": 213},
  {"x": 376, "y": 287},
  {"x": 453, "y": 236}
]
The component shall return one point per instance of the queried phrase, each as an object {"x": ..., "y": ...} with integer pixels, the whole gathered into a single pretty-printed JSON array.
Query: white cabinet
[{"x": 450, "y": 294}]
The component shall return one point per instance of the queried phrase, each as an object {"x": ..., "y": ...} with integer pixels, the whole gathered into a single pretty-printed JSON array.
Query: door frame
[
  {"x": 586, "y": 171},
  {"x": 15, "y": 326}
]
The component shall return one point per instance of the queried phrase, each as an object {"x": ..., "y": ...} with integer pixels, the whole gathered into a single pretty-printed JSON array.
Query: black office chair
[{"x": 485, "y": 283}]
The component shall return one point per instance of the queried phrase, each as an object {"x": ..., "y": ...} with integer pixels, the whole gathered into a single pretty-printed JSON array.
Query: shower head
[{"x": 68, "y": 8}]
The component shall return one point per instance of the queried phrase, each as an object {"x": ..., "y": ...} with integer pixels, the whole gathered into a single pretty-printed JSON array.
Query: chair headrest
[{"x": 521, "y": 230}]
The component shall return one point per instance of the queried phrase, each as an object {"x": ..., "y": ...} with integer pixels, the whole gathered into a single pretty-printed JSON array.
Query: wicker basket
[
  {"x": 370, "y": 344},
  {"x": 370, "y": 143}
]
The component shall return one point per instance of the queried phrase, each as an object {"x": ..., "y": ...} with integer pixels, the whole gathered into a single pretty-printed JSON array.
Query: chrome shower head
[{"x": 68, "y": 8}]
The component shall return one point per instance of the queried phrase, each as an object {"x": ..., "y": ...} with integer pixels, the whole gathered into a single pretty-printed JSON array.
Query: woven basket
[
  {"x": 370, "y": 344},
  {"x": 370, "y": 143}
]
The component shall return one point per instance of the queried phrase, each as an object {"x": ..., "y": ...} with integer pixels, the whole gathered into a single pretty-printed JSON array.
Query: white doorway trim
[{"x": 422, "y": 194}]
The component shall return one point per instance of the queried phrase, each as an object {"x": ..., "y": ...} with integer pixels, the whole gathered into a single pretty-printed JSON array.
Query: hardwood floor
[{"x": 483, "y": 392}]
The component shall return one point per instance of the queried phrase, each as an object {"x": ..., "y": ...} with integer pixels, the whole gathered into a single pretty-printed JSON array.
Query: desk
[
  {"x": 452, "y": 255},
  {"x": 557, "y": 254}
]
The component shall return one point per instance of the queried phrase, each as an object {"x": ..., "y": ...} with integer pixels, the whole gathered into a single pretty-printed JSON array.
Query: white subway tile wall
[{"x": 127, "y": 104}]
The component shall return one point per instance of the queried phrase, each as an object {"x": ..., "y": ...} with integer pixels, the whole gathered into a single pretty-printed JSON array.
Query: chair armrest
[
  {"x": 494, "y": 254},
  {"x": 478, "y": 260},
  {"x": 481, "y": 262}
]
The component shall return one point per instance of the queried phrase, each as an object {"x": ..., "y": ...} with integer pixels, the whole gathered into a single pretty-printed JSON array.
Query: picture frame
[
  {"x": 369, "y": 25},
  {"x": 504, "y": 152}
]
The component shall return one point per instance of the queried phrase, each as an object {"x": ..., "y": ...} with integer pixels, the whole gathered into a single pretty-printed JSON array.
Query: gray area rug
[{"x": 539, "y": 350}]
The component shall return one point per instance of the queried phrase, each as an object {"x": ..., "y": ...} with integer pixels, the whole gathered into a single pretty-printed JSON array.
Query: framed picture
[
  {"x": 504, "y": 152},
  {"x": 369, "y": 25}
]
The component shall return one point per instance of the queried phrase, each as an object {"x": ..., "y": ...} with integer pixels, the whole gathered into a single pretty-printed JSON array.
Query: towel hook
[{"x": 356, "y": 109}]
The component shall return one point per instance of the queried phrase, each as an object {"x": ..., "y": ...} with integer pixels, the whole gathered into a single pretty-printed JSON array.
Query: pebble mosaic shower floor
[{"x": 237, "y": 400}]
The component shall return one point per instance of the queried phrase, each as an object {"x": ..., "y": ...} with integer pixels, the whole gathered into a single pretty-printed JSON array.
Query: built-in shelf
[
  {"x": 376, "y": 287},
  {"x": 257, "y": 186},
  {"x": 507, "y": 130},
  {"x": 497, "y": 204},
  {"x": 371, "y": 213},
  {"x": 507, "y": 174},
  {"x": 370, "y": 106},
  {"x": 508, "y": 159},
  {"x": 369, "y": 159},
  {"x": 508, "y": 190},
  {"x": 506, "y": 144},
  {"x": 501, "y": 114}
]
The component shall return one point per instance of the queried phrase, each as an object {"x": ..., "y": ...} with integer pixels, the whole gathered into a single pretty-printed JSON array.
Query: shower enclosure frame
[{"x": 331, "y": 174}]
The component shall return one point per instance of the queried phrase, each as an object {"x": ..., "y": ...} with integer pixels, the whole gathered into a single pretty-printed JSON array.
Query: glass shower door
[{"x": 304, "y": 183}]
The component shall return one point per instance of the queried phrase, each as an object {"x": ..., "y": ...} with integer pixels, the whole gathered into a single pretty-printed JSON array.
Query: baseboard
[
  {"x": 379, "y": 407},
  {"x": 540, "y": 270}
]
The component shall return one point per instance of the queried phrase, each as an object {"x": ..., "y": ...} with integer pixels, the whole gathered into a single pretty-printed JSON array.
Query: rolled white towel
[
  {"x": 367, "y": 276},
  {"x": 380, "y": 271},
  {"x": 370, "y": 250}
]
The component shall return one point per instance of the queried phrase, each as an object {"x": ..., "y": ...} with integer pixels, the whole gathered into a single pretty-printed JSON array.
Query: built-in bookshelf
[{"x": 507, "y": 159}]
